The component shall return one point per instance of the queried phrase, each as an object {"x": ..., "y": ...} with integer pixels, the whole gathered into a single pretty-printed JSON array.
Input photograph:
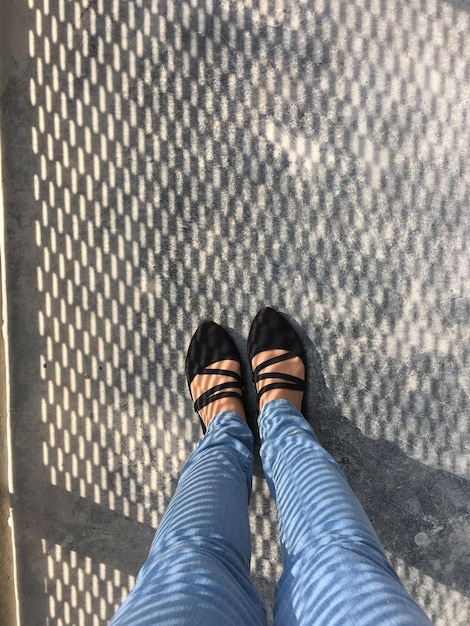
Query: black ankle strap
[
  {"x": 230, "y": 373},
  {"x": 289, "y": 387},
  {"x": 211, "y": 394},
  {"x": 275, "y": 359},
  {"x": 293, "y": 383},
  {"x": 292, "y": 379}
]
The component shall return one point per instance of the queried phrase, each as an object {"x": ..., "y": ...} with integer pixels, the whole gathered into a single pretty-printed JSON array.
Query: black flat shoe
[
  {"x": 211, "y": 343},
  {"x": 271, "y": 331}
]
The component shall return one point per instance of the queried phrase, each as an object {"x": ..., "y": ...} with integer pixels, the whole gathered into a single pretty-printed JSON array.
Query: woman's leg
[
  {"x": 335, "y": 570},
  {"x": 197, "y": 571}
]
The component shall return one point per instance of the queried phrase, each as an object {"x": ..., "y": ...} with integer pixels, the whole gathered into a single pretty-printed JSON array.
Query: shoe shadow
[{"x": 421, "y": 514}]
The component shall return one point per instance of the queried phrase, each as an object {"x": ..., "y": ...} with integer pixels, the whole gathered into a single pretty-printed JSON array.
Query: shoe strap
[
  {"x": 230, "y": 373},
  {"x": 293, "y": 383},
  {"x": 211, "y": 394},
  {"x": 275, "y": 359},
  {"x": 280, "y": 386},
  {"x": 217, "y": 396},
  {"x": 300, "y": 382}
]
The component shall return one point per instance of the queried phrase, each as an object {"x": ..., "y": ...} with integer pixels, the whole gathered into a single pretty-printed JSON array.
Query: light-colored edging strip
[{"x": 9, "y": 606}]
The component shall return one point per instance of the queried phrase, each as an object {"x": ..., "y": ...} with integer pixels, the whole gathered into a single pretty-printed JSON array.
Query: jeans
[{"x": 335, "y": 570}]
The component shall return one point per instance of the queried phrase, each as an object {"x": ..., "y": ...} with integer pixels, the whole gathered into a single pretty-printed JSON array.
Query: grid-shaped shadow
[
  {"x": 81, "y": 591},
  {"x": 201, "y": 159}
]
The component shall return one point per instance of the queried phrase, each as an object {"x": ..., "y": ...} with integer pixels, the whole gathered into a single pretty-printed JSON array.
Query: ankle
[
  {"x": 219, "y": 406},
  {"x": 294, "y": 397}
]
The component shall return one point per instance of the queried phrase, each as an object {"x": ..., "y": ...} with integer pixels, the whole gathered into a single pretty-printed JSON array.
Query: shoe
[
  {"x": 271, "y": 331},
  {"x": 210, "y": 344}
]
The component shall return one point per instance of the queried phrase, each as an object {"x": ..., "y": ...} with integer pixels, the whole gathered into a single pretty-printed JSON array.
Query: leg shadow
[{"x": 421, "y": 514}]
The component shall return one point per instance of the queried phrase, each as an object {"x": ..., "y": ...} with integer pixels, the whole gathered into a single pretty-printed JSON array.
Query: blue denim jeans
[{"x": 335, "y": 570}]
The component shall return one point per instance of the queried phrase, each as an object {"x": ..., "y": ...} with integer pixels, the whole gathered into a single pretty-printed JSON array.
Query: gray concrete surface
[
  {"x": 166, "y": 162},
  {"x": 7, "y": 578}
]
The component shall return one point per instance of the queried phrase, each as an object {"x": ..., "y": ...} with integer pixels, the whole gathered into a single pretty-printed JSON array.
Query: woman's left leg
[{"x": 197, "y": 571}]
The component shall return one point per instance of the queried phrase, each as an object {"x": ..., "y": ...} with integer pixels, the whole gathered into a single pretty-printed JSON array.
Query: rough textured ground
[{"x": 166, "y": 162}]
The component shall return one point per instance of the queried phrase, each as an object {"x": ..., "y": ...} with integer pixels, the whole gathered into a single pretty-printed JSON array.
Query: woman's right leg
[
  {"x": 197, "y": 572},
  {"x": 335, "y": 570}
]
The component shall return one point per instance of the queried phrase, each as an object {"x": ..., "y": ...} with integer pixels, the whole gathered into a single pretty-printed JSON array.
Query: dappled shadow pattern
[{"x": 198, "y": 160}]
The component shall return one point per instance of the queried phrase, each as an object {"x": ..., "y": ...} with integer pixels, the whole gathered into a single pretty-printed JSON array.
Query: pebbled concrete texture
[
  {"x": 7, "y": 580},
  {"x": 167, "y": 162}
]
